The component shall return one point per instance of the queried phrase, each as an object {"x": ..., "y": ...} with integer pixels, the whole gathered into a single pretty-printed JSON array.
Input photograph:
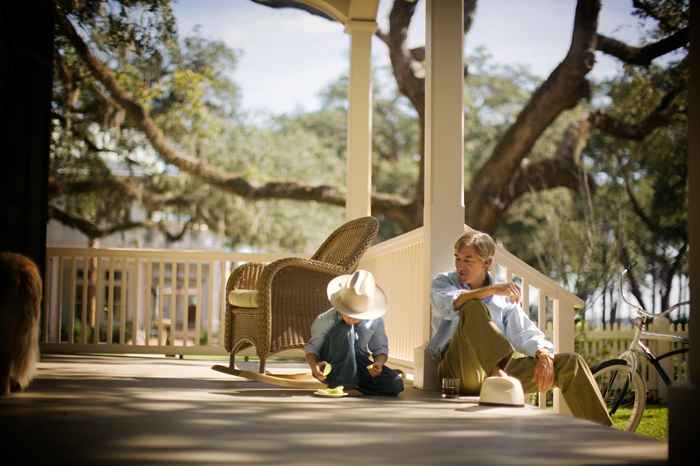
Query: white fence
[
  {"x": 137, "y": 300},
  {"x": 597, "y": 344}
]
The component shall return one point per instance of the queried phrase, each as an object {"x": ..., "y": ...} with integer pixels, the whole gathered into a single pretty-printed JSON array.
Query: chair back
[{"x": 346, "y": 245}]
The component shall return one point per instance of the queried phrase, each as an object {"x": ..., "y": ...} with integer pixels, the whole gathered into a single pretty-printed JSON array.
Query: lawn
[{"x": 654, "y": 422}]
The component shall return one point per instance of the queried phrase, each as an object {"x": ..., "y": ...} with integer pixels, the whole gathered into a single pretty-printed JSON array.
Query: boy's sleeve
[
  {"x": 379, "y": 343},
  {"x": 319, "y": 329}
]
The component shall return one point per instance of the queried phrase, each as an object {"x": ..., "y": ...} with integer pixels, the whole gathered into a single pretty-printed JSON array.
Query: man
[
  {"x": 477, "y": 325},
  {"x": 347, "y": 334}
]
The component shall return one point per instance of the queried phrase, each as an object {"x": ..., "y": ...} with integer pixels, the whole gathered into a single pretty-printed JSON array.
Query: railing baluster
[
  {"x": 99, "y": 298},
  {"x": 173, "y": 302},
  {"x": 48, "y": 276},
  {"x": 122, "y": 302},
  {"x": 133, "y": 309},
  {"x": 186, "y": 318},
  {"x": 58, "y": 310},
  {"x": 198, "y": 305},
  {"x": 84, "y": 311},
  {"x": 222, "y": 301},
  {"x": 71, "y": 299},
  {"x": 161, "y": 287},
  {"x": 110, "y": 300},
  {"x": 210, "y": 306},
  {"x": 147, "y": 306}
]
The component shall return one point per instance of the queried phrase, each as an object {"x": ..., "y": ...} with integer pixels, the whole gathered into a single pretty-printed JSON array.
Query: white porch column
[
  {"x": 444, "y": 149},
  {"x": 359, "y": 153},
  {"x": 684, "y": 400}
]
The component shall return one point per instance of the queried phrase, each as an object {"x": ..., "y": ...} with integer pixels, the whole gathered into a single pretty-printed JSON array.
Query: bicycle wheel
[
  {"x": 623, "y": 391},
  {"x": 675, "y": 364}
]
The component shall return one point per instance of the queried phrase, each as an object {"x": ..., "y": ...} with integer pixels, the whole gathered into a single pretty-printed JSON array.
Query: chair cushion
[{"x": 243, "y": 298}]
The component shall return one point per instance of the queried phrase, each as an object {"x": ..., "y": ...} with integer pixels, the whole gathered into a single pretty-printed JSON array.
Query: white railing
[
  {"x": 397, "y": 265},
  {"x": 137, "y": 300},
  {"x": 597, "y": 344},
  {"x": 173, "y": 302}
]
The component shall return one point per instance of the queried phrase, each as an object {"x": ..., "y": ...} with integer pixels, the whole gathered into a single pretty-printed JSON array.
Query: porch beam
[
  {"x": 443, "y": 211},
  {"x": 684, "y": 400},
  {"x": 359, "y": 136}
]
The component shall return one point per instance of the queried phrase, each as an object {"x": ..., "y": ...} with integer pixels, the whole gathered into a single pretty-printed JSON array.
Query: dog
[{"x": 20, "y": 301}]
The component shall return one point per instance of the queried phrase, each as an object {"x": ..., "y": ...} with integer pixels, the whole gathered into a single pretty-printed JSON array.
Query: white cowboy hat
[
  {"x": 502, "y": 391},
  {"x": 357, "y": 295}
]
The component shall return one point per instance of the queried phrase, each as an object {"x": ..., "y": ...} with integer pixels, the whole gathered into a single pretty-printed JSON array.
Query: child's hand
[
  {"x": 319, "y": 371},
  {"x": 374, "y": 369}
]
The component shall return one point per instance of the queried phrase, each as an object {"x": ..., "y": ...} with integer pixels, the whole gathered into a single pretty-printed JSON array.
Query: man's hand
[
  {"x": 375, "y": 369},
  {"x": 510, "y": 290},
  {"x": 317, "y": 370},
  {"x": 544, "y": 371}
]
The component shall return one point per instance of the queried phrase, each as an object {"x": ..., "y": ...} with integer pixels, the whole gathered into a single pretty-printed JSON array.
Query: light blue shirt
[
  {"x": 509, "y": 317},
  {"x": 369, "y": 334}
]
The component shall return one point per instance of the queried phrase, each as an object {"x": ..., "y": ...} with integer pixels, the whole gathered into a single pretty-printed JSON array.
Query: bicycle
[{"x": 622, "y": 386}]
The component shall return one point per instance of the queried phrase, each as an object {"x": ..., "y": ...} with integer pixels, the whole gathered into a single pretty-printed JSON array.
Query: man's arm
[
  {"x": 523, "y": 334},
  {"x": 509, "y": 290}
]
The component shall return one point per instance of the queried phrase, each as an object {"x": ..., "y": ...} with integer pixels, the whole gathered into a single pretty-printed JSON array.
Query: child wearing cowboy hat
[{"x": 346, "y": 335}]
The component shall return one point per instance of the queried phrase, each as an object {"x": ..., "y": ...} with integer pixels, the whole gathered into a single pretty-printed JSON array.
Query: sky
[{"x": 289, "y": 56}]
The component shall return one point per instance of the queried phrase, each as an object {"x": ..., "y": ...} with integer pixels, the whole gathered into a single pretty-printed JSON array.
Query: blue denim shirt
[
  {"x": 370, "y": 334},
  {"x": 510, "y": 319}
]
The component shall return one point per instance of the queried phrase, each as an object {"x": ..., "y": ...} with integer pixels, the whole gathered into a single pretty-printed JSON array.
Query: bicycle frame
[{"x": 637, "y": 347}]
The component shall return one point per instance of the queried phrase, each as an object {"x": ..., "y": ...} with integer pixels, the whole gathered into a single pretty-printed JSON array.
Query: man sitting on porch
[
  {"x": 477, "y": 325},
  {"x": 345, "y": 336}
]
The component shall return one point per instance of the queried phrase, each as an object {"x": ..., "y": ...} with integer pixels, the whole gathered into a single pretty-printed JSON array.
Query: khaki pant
[{"x": 478, "y": 347}]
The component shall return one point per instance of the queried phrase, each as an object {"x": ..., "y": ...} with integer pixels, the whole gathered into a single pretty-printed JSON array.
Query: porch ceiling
[
  {"x": 137, "y": 410},
  {"x": 345, "y": 10}
]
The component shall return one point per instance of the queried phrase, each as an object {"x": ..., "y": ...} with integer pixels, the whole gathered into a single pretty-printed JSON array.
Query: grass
[{"x": 654, "y": 422}]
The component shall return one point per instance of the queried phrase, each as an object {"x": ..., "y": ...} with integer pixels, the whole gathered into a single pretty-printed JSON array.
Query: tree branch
[
  {"x": 561, "y": 170},
  {"x": 637, "y": 207},
  {"x": 631, "y": 277},
  {"x": 642, "y": 56},
  {"x": 88, "y": 228},
  {"x": 228, "y": 182},
  {"x": 562, "y": 90},
  {"x": 661, "y": 116}
]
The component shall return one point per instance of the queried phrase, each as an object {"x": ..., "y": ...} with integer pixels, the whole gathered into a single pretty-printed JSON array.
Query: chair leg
[
  {"x": 232, "y": 360},
  {"x": 262, "y": 365}
]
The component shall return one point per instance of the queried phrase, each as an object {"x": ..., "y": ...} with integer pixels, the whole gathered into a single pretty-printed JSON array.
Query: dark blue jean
[{"x": 350, "y": 365}]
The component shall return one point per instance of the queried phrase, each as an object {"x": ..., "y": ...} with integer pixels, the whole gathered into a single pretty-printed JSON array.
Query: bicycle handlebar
[{"x": 643, "y": 312}]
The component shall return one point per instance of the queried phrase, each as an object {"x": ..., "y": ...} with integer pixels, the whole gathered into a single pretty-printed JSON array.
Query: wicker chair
[{"x": 272, "y": 306}]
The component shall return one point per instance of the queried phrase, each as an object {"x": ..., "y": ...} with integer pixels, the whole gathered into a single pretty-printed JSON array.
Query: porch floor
[{"x": 94, "y": 409}]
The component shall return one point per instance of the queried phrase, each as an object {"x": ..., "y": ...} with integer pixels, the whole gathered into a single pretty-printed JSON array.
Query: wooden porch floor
[{"x": 126, "y": 410}]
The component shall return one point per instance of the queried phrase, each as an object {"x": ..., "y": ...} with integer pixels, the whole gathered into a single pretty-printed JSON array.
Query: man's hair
[{"x": 482, "y": 243}]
